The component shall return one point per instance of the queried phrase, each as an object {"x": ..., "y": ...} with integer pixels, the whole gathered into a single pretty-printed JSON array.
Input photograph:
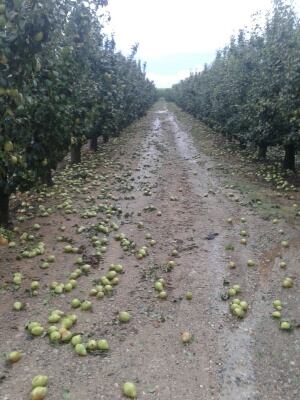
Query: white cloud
[
  {"x": 165, "y": 80},
  {"x": 165, "y": 27}
]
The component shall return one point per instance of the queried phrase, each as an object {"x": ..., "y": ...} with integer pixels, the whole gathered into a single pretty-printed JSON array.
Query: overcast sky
[{"x": 178, "y": 36}]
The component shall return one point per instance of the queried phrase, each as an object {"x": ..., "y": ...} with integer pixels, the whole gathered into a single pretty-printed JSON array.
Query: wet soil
[{"x": 157, "y": 175}]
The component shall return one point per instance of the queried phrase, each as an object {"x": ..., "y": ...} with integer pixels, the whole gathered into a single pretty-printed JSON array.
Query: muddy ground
[{"x": 158, "y": 167}]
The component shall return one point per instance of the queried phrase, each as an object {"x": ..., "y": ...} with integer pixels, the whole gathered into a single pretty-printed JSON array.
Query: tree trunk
[
  {"x": 262, "y": 151},
  {"x": 229, "y": 137},
  {"x": 76, "y": 154},
  {"x": 105, "y": 138},
  {"x": 94, "y": 143},
  {"x": 243, "y": 144},
  {"x": 4, "y": 209},
  {"x": 47, "y": 178},
  {"x": 289, "y": 161}
]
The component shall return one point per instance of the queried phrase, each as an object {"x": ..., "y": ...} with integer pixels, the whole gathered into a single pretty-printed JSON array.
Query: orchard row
[
  {"x": 250, "y": 93},
  {"x": 62, "y": 81}
]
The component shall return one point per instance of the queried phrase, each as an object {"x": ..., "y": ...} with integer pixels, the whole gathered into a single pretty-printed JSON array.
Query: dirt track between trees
[{"x": 228, "y": 358}]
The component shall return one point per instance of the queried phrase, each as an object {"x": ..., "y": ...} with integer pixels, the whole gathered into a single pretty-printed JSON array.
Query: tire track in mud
[{"x": 244, "y": 371}]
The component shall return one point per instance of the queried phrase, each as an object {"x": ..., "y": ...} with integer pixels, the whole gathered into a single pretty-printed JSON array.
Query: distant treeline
[{"x": 251, "y": 91}]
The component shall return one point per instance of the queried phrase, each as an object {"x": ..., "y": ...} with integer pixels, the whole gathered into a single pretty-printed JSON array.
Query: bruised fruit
[
  {"x": 186, "y": 337},
  {"x": 189, "y": 295},
  {"x": 39, "y": 393},
  {"x": 14, "y": 356}
]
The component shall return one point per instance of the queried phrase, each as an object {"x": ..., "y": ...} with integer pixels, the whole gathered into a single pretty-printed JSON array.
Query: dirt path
[{"x": 156, "y": 168}]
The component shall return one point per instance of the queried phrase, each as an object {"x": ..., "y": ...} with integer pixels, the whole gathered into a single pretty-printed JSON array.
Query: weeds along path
[{"x": 153, "y": 187}]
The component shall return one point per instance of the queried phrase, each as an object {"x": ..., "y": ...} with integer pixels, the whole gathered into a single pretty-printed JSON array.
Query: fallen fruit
[
  {"x": 75, "y": 303},
  {"x": 103, "y": 345},
  {"x": 189, "y": 295},
  {"x": 80, "y": 349},
  {"x": 287, "y": 283},
  {"x": 91, "y": 345},
  {"x": 244, "y": 305},
  {"x": 231, "y": 292},
  {"x": 159, "y": 286},
  {"x": 39, "y": 380},
  {"x": 34, "y": 285},
  {"x": 124, "y": 316},
  {"x": 237, "y": 288},
  {"x": 163, "y": 295},
  {"x": 277, "y": 303},
  {"x": 18, "y": 306},
  {"x": 68, "y": 287},
  {"x": 17, "y": 279},
  {"x": 282, "y": 264},
  {"x": 39, "y": 393},
  {"x": 276, "y": 314},
  {"x": 14, "y": 356},
  {"x": 239, "y": 312},
  {"x": 129, "y": 389},
  {"x": 54, "y": 318},
  {"x": 186, "y": 337},
  {"x": 37, "y": 330},
  {"x": 77, "y": 339},
  {"x": 67, "y": 323},
  {"x": 285, "y": 325},
  {"x": 44, "y": 265},
  {"x": 55, "y": 336}
]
